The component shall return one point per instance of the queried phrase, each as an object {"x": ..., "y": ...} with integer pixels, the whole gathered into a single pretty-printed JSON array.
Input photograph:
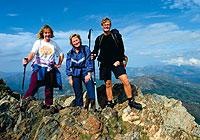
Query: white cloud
[
  {"x": 160, "y": 41},
  {"x": 15, "y": 41},
  {"x": 162, "y": 35},
  {"x": 20, "y": 44},
  {"x": 182, "y": 4},
  {"x": 189, "y": 9},
  {"x": 12, "y": 14},
  {"x": 96, "y": 18},
  {"x": 156, "y": 16},
  {"x": 65, "y": 9},
  {"x": 17, "y": 29},
  {"x": 182, "y": 61},
  {"x": 63, "y": 37},
  {"x": 196, "y": 18},
  {"x": 42, "y": 20},
  {"x": 14, "y": 47}
]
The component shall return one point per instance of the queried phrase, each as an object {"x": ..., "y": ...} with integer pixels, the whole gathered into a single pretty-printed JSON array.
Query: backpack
[{"x": 115, "y": 33}]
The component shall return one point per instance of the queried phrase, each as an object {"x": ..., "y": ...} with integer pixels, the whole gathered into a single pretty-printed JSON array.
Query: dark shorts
[{"x": 105, "y": 71}]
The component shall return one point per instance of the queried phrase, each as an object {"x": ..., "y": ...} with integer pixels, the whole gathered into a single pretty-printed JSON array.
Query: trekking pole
[
  {"x": 20, "y": 105},
  {"x": 24, "y": 65},
  {"x": 97, "y": 107}
]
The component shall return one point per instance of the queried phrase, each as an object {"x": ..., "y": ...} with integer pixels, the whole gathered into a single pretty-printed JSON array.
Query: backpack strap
[
  {"x": 100, "y": 39},
  {"x": 70, "y": 65},
  {"x": 85, "y": 55},
  {"x": 114, "y": 36}
]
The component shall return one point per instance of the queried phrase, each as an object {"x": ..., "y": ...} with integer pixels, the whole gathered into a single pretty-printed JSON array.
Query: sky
[{"x": 155, "y": 32}]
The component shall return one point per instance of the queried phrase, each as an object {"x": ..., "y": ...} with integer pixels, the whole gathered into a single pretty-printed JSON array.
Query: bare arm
[
  {"x": 61, "y": 57},
  {"x": 29, "y": 58}
]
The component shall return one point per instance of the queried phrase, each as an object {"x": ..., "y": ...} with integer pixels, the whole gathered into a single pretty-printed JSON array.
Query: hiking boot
[
  {"x": 60, "y": 107},
  {"x": 110, "y": 104},
  {"x": 53, "y": 109},
  {"x": 90, "y": 105},
  {"x": 44, "y": 106},
  {"x": 133, "y": 104},
  {"x": 73, "y": 104}
]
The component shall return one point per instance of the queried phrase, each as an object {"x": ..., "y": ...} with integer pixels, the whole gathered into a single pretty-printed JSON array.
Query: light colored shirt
[{"x": 45, "y": 53}]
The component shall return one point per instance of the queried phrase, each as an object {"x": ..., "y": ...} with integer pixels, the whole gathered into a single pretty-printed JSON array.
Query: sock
[
  {"x": 130, "y": 100},
  {"x": 109, "y": 102}
]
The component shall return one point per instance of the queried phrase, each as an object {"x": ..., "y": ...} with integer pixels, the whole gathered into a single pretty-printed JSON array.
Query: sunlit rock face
[{"x": 161, "y": 118}]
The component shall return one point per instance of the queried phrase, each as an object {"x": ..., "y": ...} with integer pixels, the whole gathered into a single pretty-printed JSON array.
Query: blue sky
[{"x": 154, "y": 31}]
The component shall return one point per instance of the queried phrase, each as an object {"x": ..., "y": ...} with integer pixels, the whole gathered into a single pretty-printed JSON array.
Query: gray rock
[{"x": 161, "y": 119}]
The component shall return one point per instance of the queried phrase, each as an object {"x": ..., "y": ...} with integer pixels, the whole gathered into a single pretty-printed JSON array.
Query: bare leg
[
  {"x": 109, "y": 90},
  {"x": 127, "y": 87}
]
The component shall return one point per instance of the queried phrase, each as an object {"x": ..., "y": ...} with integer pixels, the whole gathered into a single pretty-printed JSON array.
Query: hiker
[
  {"x": 45, "y": 70},
  {"x": 79, "y": 68},
  {"x": 111, "y": 57}
]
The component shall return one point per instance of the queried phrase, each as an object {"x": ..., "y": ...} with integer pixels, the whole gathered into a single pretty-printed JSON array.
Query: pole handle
[
  {"x": 89, "y": 37},
  {"x": 26, "y": 59}
]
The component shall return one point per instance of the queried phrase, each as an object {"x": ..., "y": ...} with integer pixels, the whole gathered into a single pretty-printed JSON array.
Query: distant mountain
[
  {"x": 185, "y": 73},
  {"x": 169, "y": 86},
  {"x": 194, "y": 110},
  {"x": 179, "y": 82},
  {"x": 14, "y": 81},
  {"x": 167, "y": 78}
]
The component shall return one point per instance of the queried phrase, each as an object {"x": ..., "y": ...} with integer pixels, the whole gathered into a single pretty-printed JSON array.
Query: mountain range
[{"x": 179, "y": 82}]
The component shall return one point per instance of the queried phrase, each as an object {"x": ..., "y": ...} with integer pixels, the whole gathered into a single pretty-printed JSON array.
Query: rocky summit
[{"x": 161, "y": 118}]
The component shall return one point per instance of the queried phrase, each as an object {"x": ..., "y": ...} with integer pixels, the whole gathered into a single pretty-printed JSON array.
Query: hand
[
  {"x": 70, "y": 81},
  {"x": 124, "y": 63},
  {"x": 87, "y": 77},
  {"x": 25, "y": 61},
  {"x": 57, "y": 66},
  {"x": 117, "y": 63},
  {"x": 93, "y": 56}
]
